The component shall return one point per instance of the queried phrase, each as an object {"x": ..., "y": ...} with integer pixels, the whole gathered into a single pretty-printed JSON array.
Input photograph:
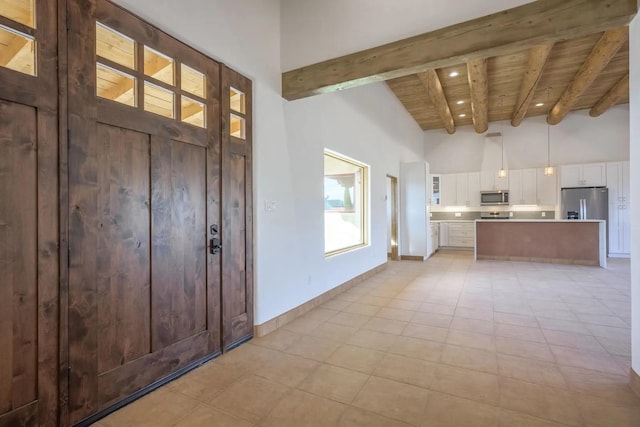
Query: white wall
[
  {"x": 367, "y": 124},
  {"x": 634, "y": 62},
  {"x": 579, "y": 138},
  {"x": 314, "y": 30}
]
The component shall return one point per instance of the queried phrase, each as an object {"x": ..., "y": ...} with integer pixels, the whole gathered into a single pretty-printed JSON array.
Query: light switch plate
[
  {"x": 543, "y": 214},
  {"x": 458, "y": 214},
  {"x": 270, "y": 205}
]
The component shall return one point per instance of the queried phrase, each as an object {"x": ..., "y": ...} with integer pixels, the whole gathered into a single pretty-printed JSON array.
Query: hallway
[{"x": 446, "y": 342}]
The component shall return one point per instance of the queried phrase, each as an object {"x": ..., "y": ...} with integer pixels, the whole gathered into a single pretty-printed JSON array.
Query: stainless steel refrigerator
[{"x": 586, "y": 203}]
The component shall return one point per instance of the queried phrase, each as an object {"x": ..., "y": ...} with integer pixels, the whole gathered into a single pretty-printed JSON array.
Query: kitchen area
[{"x": 575, "y": 213}]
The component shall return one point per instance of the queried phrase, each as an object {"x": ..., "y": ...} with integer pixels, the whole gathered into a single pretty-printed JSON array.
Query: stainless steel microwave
[{"x": 489, "y": 198}]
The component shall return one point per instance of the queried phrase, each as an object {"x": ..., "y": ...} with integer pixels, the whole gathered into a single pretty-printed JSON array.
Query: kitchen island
[{"x": 554, "y": 241}]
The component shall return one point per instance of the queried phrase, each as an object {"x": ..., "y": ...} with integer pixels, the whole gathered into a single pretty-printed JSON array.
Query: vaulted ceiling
[{"x": 546, "y": 57}]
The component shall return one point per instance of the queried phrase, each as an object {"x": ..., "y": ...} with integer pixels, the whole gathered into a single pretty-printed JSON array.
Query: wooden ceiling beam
[
  {"x": 538, "y": 57},
  {"x": 501, "y": 33},
  {"x": 606, "y": 48},
  {"x": 431, "y": 81},
  {"x": 479, "y": 89},
  {"x": 620, "y": 89}
]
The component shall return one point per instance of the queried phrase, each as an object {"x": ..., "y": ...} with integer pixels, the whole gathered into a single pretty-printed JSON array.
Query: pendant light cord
[
  {"x": 502, "y": 132},
  {"x": 548, "y": 129}
]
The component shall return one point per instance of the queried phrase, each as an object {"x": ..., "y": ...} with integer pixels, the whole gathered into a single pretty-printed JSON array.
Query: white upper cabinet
[
  {"x": 460, "y": 189},
  {"x": 587, "y": 175},
  {"x": 618, "y": 182},
  {"x": 522, "y": 187},
  {"x": 547, "y": 188},
  {"x": 448, "y": 190},
  {"x": 473, "y": 198},
  {"x": 434, "y": 199},
  {"x": 490, "y": 181}
]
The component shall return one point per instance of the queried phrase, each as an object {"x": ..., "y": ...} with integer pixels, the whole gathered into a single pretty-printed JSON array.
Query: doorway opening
[{"x": 392, "y": 217}]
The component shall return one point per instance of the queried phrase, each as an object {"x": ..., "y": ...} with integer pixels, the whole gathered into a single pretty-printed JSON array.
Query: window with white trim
[{"x": 345, "y": 203}]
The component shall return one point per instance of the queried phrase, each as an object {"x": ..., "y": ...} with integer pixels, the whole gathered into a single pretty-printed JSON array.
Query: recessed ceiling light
[
  {"x": 460, "y": 102},
  {"x": 462, "y": 115},
  {"x": 539, "y": 104},
  {"x": 453, "y": 74}
]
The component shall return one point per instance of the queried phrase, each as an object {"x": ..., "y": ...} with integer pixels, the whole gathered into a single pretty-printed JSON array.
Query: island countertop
[
  {"x": 566, "y": 241},
  {"x": 540, "y": 220}
]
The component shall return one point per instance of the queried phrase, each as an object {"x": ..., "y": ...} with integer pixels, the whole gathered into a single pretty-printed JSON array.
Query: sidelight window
[
  {"x": 122, "y": 64},
  {"x": 345, "y": 203},
  {"x": 17, "y": 41},
  {"x": 237, "y": 120}
]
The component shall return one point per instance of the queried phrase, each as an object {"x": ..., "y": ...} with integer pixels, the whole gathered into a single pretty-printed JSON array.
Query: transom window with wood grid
[
  {"x": 18, "y": 36},
  {"x": 139, "y": 76}
]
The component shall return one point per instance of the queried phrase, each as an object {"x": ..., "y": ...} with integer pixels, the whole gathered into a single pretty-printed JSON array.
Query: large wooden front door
[
  {"x": 28, "y": 214},
  {"x": 144, "y": 194}
]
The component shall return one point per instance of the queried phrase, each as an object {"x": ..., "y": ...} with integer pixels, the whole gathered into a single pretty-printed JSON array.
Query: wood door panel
[
  {"x": 237, "y": 219},
  {"x": 235, "y": 277},
  {"x": 25, "y": 416},
  {"x": 129, "y": 118},
  {"x": 118, "y": 384},
  {"x": 18, "y": 256},
  {"x": 123, "y": 273},
  {"x": 179, "y": 224},
  {"x": 29, "y": 239}
]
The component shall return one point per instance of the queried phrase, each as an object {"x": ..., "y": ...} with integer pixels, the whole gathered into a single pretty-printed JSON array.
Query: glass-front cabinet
[{"x": 435, "y": 190}]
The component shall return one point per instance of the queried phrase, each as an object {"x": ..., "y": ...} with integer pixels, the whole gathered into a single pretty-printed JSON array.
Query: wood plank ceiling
[
  {"x": 542, "y": 58},
  {"x": 506, "y": 75}
]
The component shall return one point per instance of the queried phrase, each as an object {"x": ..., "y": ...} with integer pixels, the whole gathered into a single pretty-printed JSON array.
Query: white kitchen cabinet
[
  {"x": 473, "y": 198},
  {"x": 586, "y": 175},
  {"x": 443, "y": 238},
  {"x": 523, "y": 187},
  {"x": 490, "y": 181},
  {"x": 448, "y": 189},
  {"x": 460, "y": 189},
  {"x": 619, "y": 216},
  {"x": 457, "y": 234},
  {"x": 414, "y": 195},
  {"x": 435, "y": 236},
  {"x": 547, "y": 188},
  {"x": 461, "y": 234},
  {"x": 435, "y": 190}
]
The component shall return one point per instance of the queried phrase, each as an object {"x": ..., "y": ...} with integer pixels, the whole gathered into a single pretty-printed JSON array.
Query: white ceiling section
[{"x": 314, "y": 31}]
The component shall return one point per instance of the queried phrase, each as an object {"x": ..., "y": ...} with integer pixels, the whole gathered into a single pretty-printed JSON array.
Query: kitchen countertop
[
  {"x": 540, "y": 220},
  {"x": 454, "y": 220}
]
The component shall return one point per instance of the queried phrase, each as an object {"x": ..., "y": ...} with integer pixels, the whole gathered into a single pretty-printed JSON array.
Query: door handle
[{"x": 215, "y": 245}]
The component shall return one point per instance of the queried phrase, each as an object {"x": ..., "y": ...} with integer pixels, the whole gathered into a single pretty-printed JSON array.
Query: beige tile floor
[{"x": 447, "y": 342}]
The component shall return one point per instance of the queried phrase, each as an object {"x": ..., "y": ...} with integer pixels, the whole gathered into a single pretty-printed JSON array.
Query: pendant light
[
  {"x": 548, "y": 171},
  {"x": 502, "y": 173}
]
